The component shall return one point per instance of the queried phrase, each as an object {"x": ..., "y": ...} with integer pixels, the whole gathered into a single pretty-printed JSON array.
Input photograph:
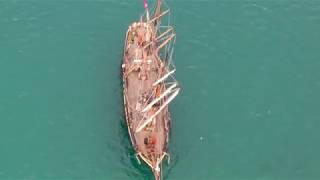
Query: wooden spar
[
  {"x": 158, "y": 9},
  {"x": 145, "y": 159},
  {"x": 164, "y": 33},
  {"x": 164, "y": 154},
  {"x": 159, "y": 160},
  {"x": 160, "y": 109},
  {"x": 163, "y": 78},
  {"x": 166, "y": 41},
  {"x": 160, "y": 36},
  {"x": 159, "y": 16},
  {"x": 160, "y": 97}
]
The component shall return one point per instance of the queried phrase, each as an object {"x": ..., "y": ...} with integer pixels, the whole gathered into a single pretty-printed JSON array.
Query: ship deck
[{"x": 140, "y": 71}]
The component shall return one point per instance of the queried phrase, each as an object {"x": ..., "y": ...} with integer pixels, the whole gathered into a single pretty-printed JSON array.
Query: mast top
[
  {"x": 145, "y": 3},
  {"x": 158, "y": 8}
]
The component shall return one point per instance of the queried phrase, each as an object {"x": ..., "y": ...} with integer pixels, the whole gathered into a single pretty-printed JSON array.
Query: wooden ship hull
[{"x": 149, "y": 86}]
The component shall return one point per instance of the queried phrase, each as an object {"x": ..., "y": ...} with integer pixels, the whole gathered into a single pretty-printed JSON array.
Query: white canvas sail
[
  {"x": 160, "y": 109},
  {"x": 166, "y": 92},
  {"x": 163, "y": 78}
]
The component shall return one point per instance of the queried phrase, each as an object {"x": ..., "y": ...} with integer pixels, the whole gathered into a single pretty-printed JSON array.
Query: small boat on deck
[{"x": 149, "y": 85}]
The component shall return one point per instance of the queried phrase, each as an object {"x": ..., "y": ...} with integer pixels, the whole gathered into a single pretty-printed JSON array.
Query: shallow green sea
[{"x": 249, "y": 108}]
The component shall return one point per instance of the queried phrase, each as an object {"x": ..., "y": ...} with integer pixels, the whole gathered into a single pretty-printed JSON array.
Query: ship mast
[
  {"x": 157, "y": 12},
  {"x": 145, "y": 3},
  {"x": 158, "y": 8}
]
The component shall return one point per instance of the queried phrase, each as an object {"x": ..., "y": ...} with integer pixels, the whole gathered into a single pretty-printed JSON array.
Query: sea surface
[{"x": 248, "y": 109}]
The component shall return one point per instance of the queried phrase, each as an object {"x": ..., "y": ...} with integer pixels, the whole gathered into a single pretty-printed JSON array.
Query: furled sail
[
  {"x": 169, "y": 90},
  {"x": 139, "y": 128},
  {"x": 163, "y": 78}
]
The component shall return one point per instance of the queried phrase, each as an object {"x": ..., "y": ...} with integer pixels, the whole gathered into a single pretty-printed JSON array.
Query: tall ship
[{"x": 149, "y": 85}]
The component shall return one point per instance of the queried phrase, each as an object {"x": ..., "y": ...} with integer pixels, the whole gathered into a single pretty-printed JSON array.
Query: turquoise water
[{"x": 249, "y": 108}]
